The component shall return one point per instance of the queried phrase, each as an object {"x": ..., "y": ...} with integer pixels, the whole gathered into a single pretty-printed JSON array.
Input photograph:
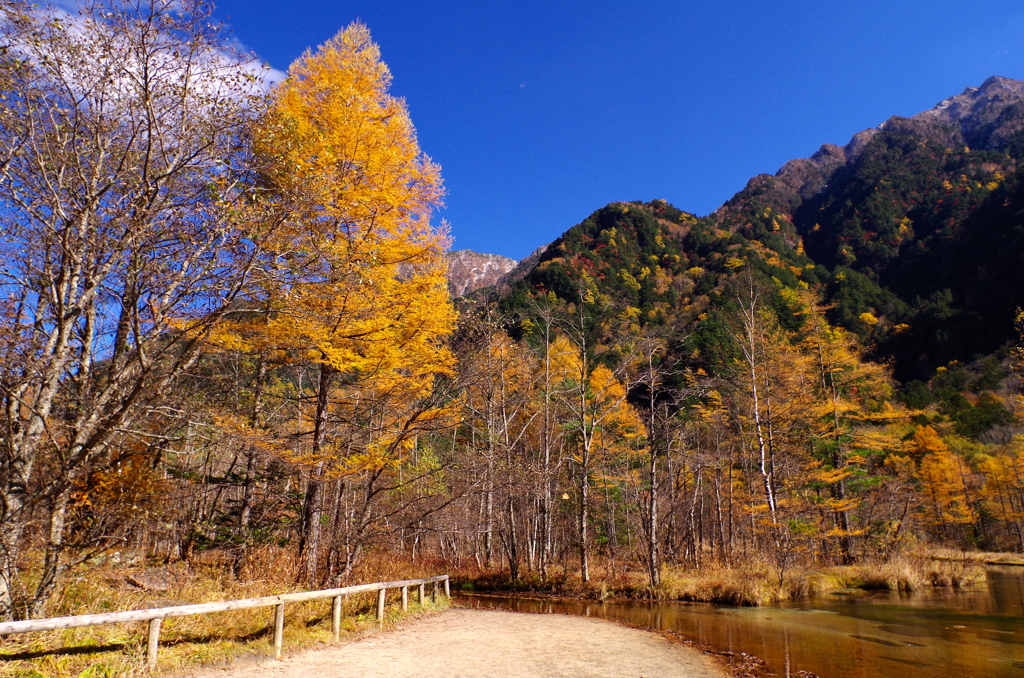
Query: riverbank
[
  {"x": 974, "y": 631},
  {"x": 484, "y": 643},
  {"x": 751, "y": 583},
  {"x": 983, "y": 557}
]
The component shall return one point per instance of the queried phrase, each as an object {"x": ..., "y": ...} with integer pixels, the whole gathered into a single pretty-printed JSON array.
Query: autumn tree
[
  {"x": 1017, "y": 357},
  {"x": 948, "y": 506},
  {"x": 497, "y": 392},
  {"x": 120, "y": 161},
  {"x": 1004, "y": 489},
  {"x": 712, "y": 430},
  {"x": 850, "y": 410},
  {"x": 657, "y": 404},
  {"x": 356, "y": 287},
  {"x": 772, "y": 384},
  {"x": 555, "y": 360},
  {"x": 597, "y": 415}
]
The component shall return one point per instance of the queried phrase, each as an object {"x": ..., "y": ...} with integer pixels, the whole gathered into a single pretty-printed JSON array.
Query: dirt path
[{"x": 485, "y": 643}]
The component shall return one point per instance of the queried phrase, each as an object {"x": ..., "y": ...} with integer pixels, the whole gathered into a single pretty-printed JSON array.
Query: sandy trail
[{"x": 485, "y": 643}]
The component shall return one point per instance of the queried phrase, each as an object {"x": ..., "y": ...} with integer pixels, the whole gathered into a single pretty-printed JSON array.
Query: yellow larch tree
[
  {"x": 355, "y": 286},
  {"x": 496, "y": 375},
  {"x": 850, "y": 409},
  {"x": 554, "y": 363},
  {"x": 947, "y": 505},
  {"x": 925, "y": 441},
  {"x": 1017, "y": 352},
  {"x": 1003, "y": 490},
  {"x": 771, "y": 395}
]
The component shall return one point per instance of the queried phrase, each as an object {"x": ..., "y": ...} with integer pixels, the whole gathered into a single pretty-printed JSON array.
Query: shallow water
[{"x": 976, "y": 633}]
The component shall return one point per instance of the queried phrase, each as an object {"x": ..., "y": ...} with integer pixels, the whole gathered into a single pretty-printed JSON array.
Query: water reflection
[{"x": 976, "y": 632}]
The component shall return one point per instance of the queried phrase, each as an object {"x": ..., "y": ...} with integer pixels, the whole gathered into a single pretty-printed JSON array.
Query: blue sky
[{"x": 541, "y": 112}]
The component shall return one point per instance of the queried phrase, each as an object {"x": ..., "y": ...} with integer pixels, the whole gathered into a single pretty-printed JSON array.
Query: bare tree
[{"x": 120, "y": 146}]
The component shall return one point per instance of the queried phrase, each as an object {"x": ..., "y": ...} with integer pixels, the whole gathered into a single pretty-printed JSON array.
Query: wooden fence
[{"x": 156, "y": 615}]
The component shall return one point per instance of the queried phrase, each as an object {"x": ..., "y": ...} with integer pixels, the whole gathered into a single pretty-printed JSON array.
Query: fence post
[
  {"x": 278, "y": 629},
  {"x": 423, "y": 595},
  {"x": 381, "y": 593},
  {"x": 405, "y": 599},
  {"x": 154, "y": 642},
  {"x": 336, "y": 618},
  {"x": 447, "y": 589},
  {"x": 433, "y": 594}
]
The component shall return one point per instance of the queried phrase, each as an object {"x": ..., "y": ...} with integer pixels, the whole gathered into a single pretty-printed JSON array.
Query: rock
[{"x": 150, "y": 580}]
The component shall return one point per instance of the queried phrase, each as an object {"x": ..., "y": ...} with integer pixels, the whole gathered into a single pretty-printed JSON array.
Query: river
[{"x": 976, "y": 632}]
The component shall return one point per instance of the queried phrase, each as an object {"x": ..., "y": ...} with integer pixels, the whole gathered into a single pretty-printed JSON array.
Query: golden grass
[
  {"x": 915, "y": 571},
  {"x": 197, "y": 641},
  {"x": 986, "y": 557},
  {"x": 754, "y": 582}
]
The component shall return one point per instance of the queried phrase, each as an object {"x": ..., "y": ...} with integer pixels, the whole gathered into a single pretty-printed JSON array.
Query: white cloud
[{"x": 233, "y": 56}]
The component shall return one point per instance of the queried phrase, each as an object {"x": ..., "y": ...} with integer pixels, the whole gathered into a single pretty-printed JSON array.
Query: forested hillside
[
  {"x": 919, "y": 224},
  {"x": 767, "y": 428},
  {"x": 227, "y": 335}
]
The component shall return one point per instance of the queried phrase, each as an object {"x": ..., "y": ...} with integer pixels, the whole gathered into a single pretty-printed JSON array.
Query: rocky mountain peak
[
  {"x": 994, "y": 94},
  {"x": 986, "y": 116},
  {"x": 469, "y": 271}
]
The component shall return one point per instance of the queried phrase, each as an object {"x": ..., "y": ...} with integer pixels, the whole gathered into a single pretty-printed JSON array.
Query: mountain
[
  {"x": 920, "y": 223},
  {"x": 912, "y": 234},
  {"x": 650, "y": 268},
  {"x": 987, "y": 118},
  {"x": 469, "y": 271}
]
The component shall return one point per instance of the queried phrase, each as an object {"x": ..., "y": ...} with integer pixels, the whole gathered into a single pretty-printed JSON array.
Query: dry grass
[
  {"x": 752, "y": 583},
  {"x": 915, "y": 571},
  {"x": 986, "y": 557},
  {"x": 190, "y": 642}
]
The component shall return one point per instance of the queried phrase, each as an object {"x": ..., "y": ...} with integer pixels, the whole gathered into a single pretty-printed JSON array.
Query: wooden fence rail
[{"x": 156, "y": 615}]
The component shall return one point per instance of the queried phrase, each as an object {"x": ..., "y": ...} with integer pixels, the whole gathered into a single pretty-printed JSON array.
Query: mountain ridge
[
  {"x": 983, "y": 116},
  {"x": 908, "y": 225}
]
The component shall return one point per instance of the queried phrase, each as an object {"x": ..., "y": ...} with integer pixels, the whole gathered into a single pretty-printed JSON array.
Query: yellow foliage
[
  {"x": 926, "y": 441},
  {"x": 906, "y": 227},
  {"x": 358, "y": 281},
  {"x": 901, "y": 466},
  {"x": 868, "y": 318},
  {"x": 356, "y": 277},
  {"x": 1003, "y": 473},
  {"x": 629, "y": 280},
  {"x": 610, "y": 412},
  {"x": 830, "y": 475},
  {"x": 564, "y": 359},
  {"x": 943, "y": 483}
]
